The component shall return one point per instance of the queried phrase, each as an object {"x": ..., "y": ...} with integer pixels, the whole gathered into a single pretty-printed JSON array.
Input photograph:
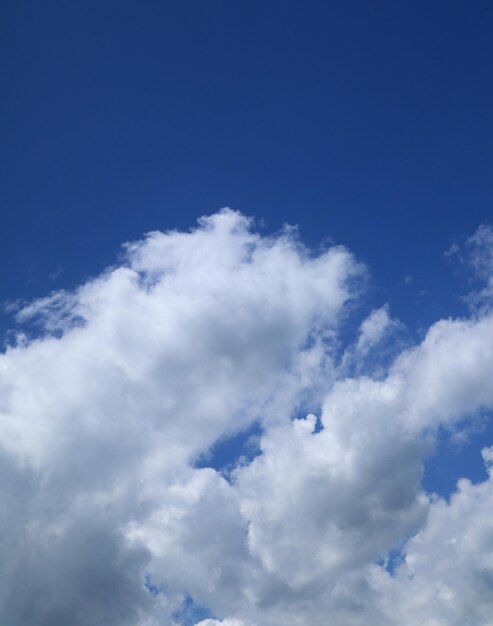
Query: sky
[{"x": 246, "y": 313}]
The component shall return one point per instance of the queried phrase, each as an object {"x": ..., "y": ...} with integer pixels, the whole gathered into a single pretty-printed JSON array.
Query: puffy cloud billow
[{"x": 115, "y": 396}]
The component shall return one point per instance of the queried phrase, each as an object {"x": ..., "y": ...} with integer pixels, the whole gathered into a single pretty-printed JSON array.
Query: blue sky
[{"x": 366, "y": 125}]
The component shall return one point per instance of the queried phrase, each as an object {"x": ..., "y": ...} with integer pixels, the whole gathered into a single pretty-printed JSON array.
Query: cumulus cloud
[
  {"x": 117, "y": 389},
  {"x": 134, "y": 375},
  {"x": 447, "y": 576}
]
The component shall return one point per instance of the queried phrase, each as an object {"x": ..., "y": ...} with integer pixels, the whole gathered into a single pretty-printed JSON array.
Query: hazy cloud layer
[{"x": 129, "y": 380}]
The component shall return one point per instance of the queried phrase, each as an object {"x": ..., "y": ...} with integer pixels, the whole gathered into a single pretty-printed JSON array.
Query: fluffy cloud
[
  {"x": 128, "y": 381},
  {"x": 136, "y": 374},
  {"x": 447, "y": 575}
]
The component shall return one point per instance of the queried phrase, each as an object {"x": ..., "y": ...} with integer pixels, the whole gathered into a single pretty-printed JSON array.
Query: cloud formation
[{"x": 105, "y": 410}]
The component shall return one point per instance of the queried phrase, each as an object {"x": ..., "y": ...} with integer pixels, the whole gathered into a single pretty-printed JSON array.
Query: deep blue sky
[{"x": 368, "y": 122}]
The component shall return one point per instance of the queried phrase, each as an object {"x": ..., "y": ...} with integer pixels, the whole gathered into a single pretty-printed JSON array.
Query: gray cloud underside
[{"x": 195, "y": 337}]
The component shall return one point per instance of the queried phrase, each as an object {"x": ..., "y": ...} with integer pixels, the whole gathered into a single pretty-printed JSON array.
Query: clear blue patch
[
  {"x": 318, "y": 425},
  {"x": 151, "y": 586},
  {"x": 190, "y": 613},
  {"x": 394, "y": 558},
  {"x": 226, "y": 453},
  {"x": 454, "y": 459}
]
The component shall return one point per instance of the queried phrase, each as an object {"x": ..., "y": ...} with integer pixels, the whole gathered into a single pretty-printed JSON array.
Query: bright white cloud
[{"x": 106, "y": 518}]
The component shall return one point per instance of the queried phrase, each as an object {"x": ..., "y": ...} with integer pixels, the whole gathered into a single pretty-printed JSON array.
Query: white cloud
[
  {"x": 447, "y": 577},
  {"x": 372, "y": 329},
  {"x": 480, "y": 256},
  {"x": 193, "y": 338},
  {"x": 375, "y": 345},
  {"x": 480, "y": 247}
]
